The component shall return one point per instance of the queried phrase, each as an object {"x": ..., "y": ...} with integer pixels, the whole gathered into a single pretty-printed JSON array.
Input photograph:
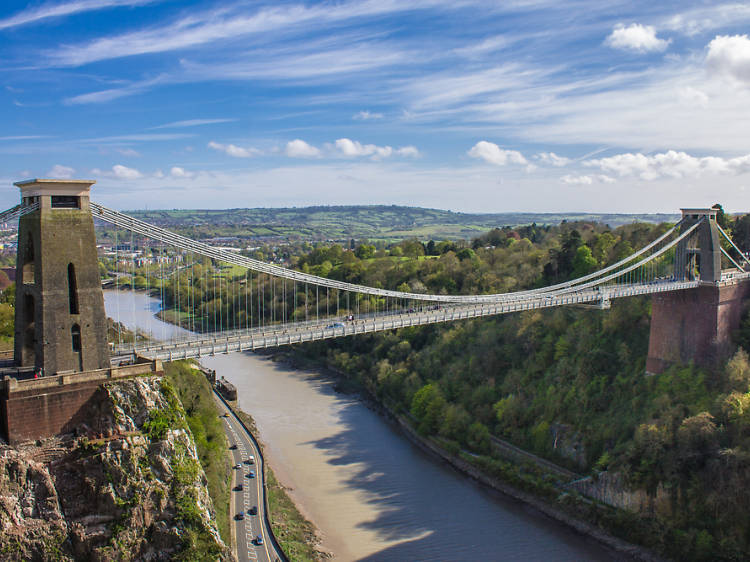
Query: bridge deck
[{"x": 299, "y": 332}]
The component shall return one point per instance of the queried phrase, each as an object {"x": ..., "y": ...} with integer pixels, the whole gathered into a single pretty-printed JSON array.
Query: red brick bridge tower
[{"x": 696, "y": 324}]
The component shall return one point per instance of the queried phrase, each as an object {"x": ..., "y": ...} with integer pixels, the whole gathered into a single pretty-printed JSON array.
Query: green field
[{"x": 375, "y": 223}]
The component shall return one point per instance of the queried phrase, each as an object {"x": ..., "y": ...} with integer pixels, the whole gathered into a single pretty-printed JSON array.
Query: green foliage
[
  {"x": 564, "y": 380},
  {"x": 205, "y": 424}
]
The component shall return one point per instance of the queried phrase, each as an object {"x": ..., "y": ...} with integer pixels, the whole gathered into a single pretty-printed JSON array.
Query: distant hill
[{"x": 376, "y": 222}]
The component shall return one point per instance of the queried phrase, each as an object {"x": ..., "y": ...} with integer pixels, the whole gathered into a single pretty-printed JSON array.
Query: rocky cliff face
[{"x": 126, "y": 486}]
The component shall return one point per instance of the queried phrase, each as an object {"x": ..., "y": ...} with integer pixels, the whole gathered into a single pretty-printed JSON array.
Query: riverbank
[{"x": 566, "y": 507}]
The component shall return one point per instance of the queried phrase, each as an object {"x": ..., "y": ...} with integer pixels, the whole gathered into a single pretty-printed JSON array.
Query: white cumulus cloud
[
  {"x": 300, "y": 149},
  {"x": 59, "y": 171},
  {"x": 670, "y": 164},
  {"x": 177, "y": 172},
  {"x": 233, "y": 150},
  {"x": 352, "y": 148},
  {"x": 636, "y": 37},
  {"x": 408, "y": 151},
  {"x": 125, "y": 173},
  {"x": 552, "y": 159},
  {"x": 492, "y": 153},
  {"x": 730, "y": 56}
]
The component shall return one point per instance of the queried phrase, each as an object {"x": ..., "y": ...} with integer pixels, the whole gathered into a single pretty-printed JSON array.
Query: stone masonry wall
[{"x": 694, "y": 325}]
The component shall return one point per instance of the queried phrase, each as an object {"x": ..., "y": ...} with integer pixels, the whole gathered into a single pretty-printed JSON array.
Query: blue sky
[{"x": 523, "y": 105}]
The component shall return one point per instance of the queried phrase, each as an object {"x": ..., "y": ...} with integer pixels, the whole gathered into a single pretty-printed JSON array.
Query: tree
[
  {"x": 365, "y": 251},
  {"x": 584, "y": 262},
  {"x": 478, "y": 438},
  {"x": 721, "y": 217}
]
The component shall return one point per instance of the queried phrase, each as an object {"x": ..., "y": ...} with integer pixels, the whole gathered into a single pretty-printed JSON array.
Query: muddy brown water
[{"x": 372, "y": 494}]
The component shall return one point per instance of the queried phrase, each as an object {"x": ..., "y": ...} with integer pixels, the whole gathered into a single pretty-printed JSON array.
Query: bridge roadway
[{"x": 326, "y": 328}]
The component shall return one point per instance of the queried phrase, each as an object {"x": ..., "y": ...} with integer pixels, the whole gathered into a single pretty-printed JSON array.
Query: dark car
[
  {"x": 233, "y": 446},
  {"x": 239, "y": 487},
  {"x": 251, "y": 474},
  {"x": 240, "y": 516},
  {"x": 253, "y": 510}
]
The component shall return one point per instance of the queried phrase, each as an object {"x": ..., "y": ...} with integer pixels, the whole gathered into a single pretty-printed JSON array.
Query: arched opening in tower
[
  {"x": 27, "y": 271},
  {"x": 72, "y": 289}
]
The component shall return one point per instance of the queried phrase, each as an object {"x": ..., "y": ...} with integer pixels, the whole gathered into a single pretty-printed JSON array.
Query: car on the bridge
[
  {"x": 240, "y": 516},
  {"x": 233, "y": 446},
  {"x": 250, "y": 460},
  {"x": 251, "y": 474},
  {"x": 253, "y": 510},
  {"x": 239, "y": 487},
  {"x": 237, "y": 466},
  {"x": 258, "y": 540},
  {"x": 335, "y": 325}
]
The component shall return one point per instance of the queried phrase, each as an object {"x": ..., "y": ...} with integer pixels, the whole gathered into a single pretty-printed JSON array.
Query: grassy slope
[{"x": 203, "y": 418}]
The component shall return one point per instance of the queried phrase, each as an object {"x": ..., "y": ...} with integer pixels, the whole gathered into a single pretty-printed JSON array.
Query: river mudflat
[{"x": 372, "y": 494}]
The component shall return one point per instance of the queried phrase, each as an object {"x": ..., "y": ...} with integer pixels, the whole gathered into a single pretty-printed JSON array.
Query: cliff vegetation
[{"x": 126, "y": 486}]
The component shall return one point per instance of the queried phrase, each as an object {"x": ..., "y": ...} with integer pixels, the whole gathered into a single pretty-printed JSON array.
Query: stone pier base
[
  {"x": 38, "y": 408},
  {"x": 695, "y": 325}
]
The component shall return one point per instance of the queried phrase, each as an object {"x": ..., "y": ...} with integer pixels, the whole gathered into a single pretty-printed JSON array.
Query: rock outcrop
[{"x": 127, "y": 485}]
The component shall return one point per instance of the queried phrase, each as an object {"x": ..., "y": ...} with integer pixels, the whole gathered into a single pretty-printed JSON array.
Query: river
[{"x": 371, "y": 493}]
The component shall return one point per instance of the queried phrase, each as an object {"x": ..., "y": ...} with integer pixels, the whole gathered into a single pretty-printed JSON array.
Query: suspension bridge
[{"x": 228, "y": 302}]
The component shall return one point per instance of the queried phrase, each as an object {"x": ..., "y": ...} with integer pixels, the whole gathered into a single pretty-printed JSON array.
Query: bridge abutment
[{"x": 695, "y": 325}]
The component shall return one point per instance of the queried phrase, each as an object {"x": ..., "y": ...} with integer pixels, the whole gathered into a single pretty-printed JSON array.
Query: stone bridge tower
[
  {"x": 699, "y": 255},
  {"x": 696, "y": 324},
  {"x": 60, "y": 321}
]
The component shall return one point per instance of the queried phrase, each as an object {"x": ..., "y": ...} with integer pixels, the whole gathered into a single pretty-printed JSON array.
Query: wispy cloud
[
  {"x": 222, "y": 24},
  {"x": 366, "y": 115},
  {"x": 60, "y": 171},
  {"x": 24, "y": 137},
  {"x": 145, "y": 137},
  {"x": 570, "y": 179},
  {"x": 111, "y": 94},
  {"x": 192, "y": 123},
  {"x": 49, "y": 10}
]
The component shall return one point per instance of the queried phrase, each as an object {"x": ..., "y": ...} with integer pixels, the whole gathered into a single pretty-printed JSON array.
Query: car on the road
[
  {"x": 240, "y": 516},
  {"x": 233, "y": 446},
  {"x": 239, "y": 487},
  {"x": 251, "y": 474},
  {"x": 258, "y": 540},
  {"x": 237, "y": 466},
  {"x": 250, "y": 460},
  {"x": 335, "y": 325},
  {"x": 253, "y": 510}
]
